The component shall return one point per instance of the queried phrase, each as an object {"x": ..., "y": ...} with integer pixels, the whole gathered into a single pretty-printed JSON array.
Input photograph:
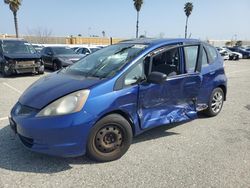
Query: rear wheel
[
  {"x": 109, "y": 139},
  {"x": 215, "y": 102}
]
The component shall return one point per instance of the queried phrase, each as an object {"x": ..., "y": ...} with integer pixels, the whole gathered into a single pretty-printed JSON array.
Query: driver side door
[{"x": 175, "y": 99}]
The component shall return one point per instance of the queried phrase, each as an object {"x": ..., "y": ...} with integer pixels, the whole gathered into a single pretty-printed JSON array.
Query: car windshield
[
  {"x": 94, "y": 49},
  {"x": 18, "y": 47},
  {"x": 106, "y": 62},
  {"x": 63, "y": 50}
]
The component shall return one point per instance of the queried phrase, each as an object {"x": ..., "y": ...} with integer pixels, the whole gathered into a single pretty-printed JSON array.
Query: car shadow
[
  {"x": 156, "y": 133},
  {"x": 14, "y": 157}
]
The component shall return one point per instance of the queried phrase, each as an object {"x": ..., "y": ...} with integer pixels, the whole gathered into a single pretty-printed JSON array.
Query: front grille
[
  {"x": 25, "y": 62},
  {"x": 28, "y": 142}
]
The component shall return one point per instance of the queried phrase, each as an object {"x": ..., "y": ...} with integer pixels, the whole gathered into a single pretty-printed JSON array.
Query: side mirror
[
  {"x": 49, "y": 53},
  {"x": 156, "y": 78}
]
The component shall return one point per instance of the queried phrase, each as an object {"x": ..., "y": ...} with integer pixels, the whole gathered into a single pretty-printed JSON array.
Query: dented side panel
[{"x": 172, "y": 101}]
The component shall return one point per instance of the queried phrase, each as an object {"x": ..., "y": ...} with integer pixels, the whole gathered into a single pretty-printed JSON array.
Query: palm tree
[
  {"x": 188, "y": 8},
  {"x": 137, "y": 4},
  {"x": 14, "y": 7}
]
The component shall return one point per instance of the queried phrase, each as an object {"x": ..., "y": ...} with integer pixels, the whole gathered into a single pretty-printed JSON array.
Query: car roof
[
  {"x": 58, "y": 47},
  {"x": 152, "y": 41}
]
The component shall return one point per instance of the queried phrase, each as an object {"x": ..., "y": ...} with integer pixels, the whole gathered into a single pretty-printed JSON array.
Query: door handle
[
  {"x": 190, "y": 83},
  {"x": 212, "y": 73}
]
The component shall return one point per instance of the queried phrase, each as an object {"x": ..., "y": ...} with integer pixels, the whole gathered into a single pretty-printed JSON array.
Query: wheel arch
[
  {"x": 224, "y": 89},
  {"x": 124, "y": 115}
]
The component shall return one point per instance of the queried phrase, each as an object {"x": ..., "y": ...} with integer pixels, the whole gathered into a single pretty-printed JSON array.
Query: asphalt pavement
[{"x": 207, "y": 152}]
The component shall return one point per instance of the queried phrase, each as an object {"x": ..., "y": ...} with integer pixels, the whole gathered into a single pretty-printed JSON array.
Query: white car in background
[
  {"x": 87, "y": 50},
  {"x": 229, "y": 51}
]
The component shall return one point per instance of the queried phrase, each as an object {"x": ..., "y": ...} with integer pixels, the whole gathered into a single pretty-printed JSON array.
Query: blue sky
[{"x": 211, "y": 19}]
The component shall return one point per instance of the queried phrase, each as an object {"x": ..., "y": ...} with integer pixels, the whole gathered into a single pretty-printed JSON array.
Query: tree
[
  {"x": 188, "y": 8},
  {"x": 14, "y": 7},
  {"x": 39, "y": 35},
  {"x": 103, "y": 34},
  {"x": 228, "y": 43},
  {"x": 238, "y": 43},
  {"x": 137, "y": 5}
]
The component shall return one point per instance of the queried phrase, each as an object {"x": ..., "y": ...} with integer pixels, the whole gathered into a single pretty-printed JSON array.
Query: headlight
[
  {"x": 39, "y": 62},
  {"x": 71, "y": 103}
]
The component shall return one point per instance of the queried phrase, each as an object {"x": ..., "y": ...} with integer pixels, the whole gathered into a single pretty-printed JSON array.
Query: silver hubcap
[{"x": 217, "y": 102}]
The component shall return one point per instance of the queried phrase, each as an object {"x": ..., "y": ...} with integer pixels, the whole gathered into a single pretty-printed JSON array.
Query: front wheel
[
  {"x": 215, "y": 102},
  {"x": 56, "y": 65},
  {"x": 6, "y": 72},
  {"x": 109, "y": 139}
]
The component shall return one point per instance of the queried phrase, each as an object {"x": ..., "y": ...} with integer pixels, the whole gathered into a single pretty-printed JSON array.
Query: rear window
[{"x": 212, "y": 53}]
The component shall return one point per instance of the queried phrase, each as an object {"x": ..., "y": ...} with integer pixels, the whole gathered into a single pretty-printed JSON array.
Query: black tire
[
  {"x": 215, "y": 106},
  {"x": 56, "y": 65},
  {"x": 109, "y": 139}
]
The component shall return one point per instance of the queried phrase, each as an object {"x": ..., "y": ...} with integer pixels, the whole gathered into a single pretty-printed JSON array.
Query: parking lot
[{"x": 208, "y": 152}]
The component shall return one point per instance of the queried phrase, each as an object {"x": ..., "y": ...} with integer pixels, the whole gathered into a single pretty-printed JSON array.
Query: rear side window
[
  {"x": 191, "y": 56},
  {"x": 212, "y": 52},
  {"x": 204, "y": 58}
]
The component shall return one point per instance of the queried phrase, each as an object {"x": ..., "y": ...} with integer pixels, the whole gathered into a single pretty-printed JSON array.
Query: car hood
[
  {"x": 21, "y": 56},
  {"x": 54, "y": 86}
]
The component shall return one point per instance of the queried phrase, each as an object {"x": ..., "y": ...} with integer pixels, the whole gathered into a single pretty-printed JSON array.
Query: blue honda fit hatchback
[{"x": 98, "y": 104}]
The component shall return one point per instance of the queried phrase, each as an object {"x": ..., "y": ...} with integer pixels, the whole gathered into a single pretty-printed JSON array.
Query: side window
[
  {"x": 85, "y": 50},
  {"x": 45, "y": 51},
  {"x": 191, "y": 56},
  {"x": 204, "y": 58},
  {"x": 212, "y": 52},
  {"x": 49, "y": 50},
  {"x": 167, "y": 62},
  {"x": 134, "y": 75}
]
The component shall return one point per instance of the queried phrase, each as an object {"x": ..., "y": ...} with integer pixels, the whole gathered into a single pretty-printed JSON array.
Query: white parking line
[
  {"x": 9, "y": 86},
  {"x": 3, "y": 118}
]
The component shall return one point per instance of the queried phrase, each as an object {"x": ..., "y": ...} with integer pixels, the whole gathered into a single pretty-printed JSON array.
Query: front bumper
[
  {"x": 19, "y": 68},
  {"x": 64, "y": 136}
]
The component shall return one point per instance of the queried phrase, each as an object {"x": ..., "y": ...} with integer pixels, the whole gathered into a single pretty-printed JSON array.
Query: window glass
[
  {"x": 18, "y": 47},
  {"x": 85, "y": 50},
  {"x": 191, "y": 55},
  {"x": 167, "y": 62},
  {"x": 106, "y": 62},
  {"x": 63, "y": 50},
  {"x": 204, "y": 58},
  {"x": 136, "y": 74},
  {"x": 212, "y": 52}
]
